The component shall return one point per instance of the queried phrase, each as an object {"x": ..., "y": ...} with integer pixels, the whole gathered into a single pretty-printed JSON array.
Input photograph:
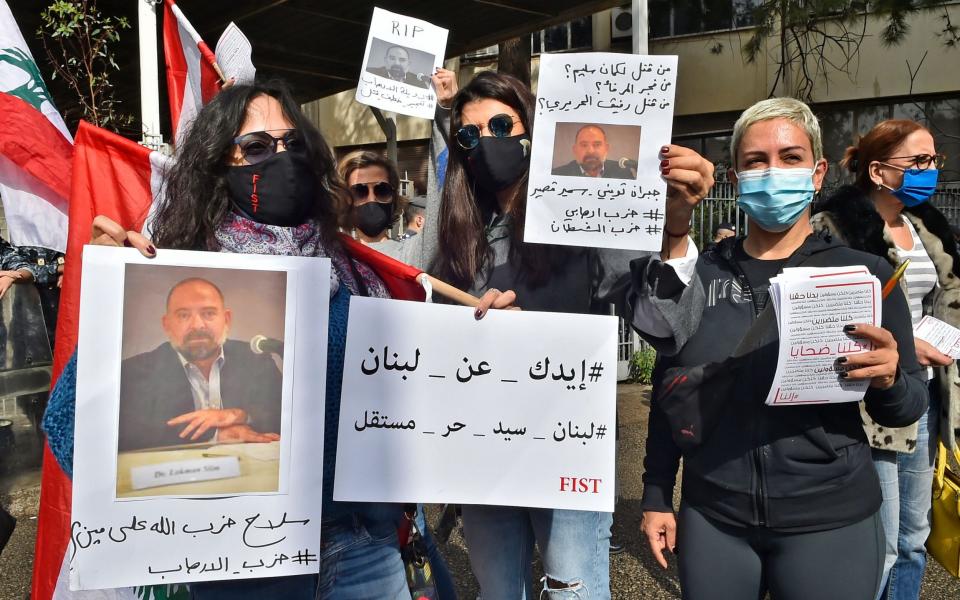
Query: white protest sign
[
  {"x": 233, "y": 54},
  {"x": 517, "y": 409},
  {"x": 813, "y": 305},
  {"x": 144, "y": 325},
  {"x": 942, "y": 336},
  {"x": 402, "y": 54},
  {"x": 595, "y": 169}
]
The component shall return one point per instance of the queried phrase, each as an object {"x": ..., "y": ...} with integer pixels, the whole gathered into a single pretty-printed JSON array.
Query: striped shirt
[{"x": 921, "y": 276}]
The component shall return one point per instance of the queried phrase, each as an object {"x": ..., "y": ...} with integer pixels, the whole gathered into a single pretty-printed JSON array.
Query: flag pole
[{"x": 451, "y": 293}]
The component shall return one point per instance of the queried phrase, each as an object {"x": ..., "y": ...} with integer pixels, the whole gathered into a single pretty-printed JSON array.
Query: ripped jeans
[{"x": 574, "y": 545}]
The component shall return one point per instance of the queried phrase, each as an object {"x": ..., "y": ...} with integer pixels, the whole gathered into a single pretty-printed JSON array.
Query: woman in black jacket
[
  {"x": 886, "y": 212},
  {"x": 775, "y": 499}
]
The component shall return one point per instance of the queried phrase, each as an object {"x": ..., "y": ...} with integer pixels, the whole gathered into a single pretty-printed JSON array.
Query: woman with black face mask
[
  {"x": 375, "y": 200},
  {"x": 481, "y": 249},
  {"x": 254, "y": 176}
]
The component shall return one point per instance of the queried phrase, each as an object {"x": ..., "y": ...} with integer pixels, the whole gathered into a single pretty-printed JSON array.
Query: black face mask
[
  {"x": 281, "y": 190},
  {"x": 373, "y": 217},
  {"x": 497, "y": 163}
]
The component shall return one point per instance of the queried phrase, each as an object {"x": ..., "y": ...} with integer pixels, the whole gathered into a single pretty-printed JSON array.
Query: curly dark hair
[
  {"x": 464, "y": 254},
  {"x": 196, "y": 197}
]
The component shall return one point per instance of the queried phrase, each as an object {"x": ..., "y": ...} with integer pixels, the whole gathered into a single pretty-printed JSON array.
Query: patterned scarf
[{"x": 241, "y": 235}]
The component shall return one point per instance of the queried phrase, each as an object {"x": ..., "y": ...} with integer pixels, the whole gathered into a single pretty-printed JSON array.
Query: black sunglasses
[
  {"x": 382, "y": 192},
  {"x": 922, "y": 162},
  {"x": 499, "y": 126},
  {"x": 258, "y": 146}
]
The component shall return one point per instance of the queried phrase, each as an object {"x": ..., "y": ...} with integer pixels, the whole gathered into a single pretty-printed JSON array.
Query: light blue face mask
[
  {"x": 917, "y": 187},
  {"x": 774, "y": 198}
]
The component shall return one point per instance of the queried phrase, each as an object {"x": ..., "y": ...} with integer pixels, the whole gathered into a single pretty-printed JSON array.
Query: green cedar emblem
[{"x": 33, "y": 92}]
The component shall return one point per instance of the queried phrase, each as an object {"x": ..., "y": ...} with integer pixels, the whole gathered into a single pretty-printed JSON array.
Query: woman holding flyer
[
  {"x": 887, "y": 213},
  {"x": 257, "y": 132},
  {"x": 778, "y": 499},
  {"x": 482, "y": 249}
]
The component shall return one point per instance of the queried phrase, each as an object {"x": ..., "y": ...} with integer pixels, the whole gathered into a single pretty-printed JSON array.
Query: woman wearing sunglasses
[
  {"x": 253, "y": 175},
  {"x": 481, "y": 248},
  {"x": 887, "y": 212}
]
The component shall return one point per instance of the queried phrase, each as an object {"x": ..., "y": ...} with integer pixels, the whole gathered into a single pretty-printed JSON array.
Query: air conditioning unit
[{"x": 621, "y": 23}]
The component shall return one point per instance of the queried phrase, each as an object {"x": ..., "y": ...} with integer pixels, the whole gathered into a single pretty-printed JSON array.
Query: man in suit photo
[
  {"x": 590, "y": 150},
  {"x": 198, "y": 386},
  {"x": 396, "y": 66}
]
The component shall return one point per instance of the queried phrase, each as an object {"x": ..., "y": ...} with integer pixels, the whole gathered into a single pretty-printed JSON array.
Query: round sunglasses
[
  {"x": 499, "y": 126},
  {"x": 382, "y": 191},
  {"x": 258, "y": 146}
]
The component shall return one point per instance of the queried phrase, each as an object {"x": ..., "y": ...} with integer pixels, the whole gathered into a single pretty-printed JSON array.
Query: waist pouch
[{"x": 695, "y": 397}]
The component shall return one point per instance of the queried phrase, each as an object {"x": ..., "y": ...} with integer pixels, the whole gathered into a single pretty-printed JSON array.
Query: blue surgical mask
[
  {"x": 774, "y": 198},
  {"x": 917, "y": 187}
]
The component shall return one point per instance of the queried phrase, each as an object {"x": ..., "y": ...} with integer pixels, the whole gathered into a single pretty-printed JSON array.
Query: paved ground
[{"x": 634, "y": 575}]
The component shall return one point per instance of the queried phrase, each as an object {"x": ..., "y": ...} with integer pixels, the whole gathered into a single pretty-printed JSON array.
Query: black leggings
[{"x": 721, "y": 562}]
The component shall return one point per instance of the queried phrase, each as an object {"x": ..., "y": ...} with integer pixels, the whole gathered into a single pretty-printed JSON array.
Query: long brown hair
[
  {"x": 464, "y": 253},
  {"x": 878, "y": 145}
]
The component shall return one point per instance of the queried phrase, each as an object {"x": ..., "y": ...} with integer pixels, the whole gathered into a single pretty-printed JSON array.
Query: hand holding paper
[
  {"x": 878, "y": 365},
  {"x": 937, "y": 342}
]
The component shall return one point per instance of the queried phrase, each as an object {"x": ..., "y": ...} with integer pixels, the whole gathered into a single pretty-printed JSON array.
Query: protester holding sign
[
  {"x": 481, "y": 249},
  {"x": 778, "y": 499},
  {"x": 887, "y": 212},
  {"x": 211, "y": 205}
]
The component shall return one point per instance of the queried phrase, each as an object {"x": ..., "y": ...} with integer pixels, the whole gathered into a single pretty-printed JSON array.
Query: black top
[
  {"x": 793, "y": 468},
  {"x": 758, "y": 273}
]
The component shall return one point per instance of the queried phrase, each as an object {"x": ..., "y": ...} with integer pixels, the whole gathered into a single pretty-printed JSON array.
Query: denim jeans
[
  {"x": 358, "y": 561},
  {"x": 446, "y": 590},
  {"x": 574, "y": 545},
  {"x": 906, "y": 482}
]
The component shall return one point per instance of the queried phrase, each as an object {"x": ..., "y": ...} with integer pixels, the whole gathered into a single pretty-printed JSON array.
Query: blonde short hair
[{"x": 791, "y": 109}]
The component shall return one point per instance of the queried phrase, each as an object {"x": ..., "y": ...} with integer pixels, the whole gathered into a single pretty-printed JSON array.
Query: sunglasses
[
  {"x": 499, "y": 126},
  {"x": 921, "y": 162},
  {"x": 258, "y": 146},
  {"x": 382, "y": 192}
]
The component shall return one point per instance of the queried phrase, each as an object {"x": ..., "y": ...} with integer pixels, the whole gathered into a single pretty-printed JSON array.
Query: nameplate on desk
[{"x": 185, "y": 471}]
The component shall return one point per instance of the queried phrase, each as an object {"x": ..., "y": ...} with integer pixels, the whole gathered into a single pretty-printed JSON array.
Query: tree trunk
[{"x": 514, "y": 58}]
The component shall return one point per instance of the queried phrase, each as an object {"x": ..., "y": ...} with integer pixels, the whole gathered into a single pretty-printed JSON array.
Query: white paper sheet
[
  {"x": 630, "y": 99},
  {"x": 517, "y": 409},
  {"x": 942, "y": 336},
  {"x": 234, "y": 54},
  {"x": 813, "y": 305},
  {"x": 120, "y": 543},
  {"x": 402, "y": 54}
]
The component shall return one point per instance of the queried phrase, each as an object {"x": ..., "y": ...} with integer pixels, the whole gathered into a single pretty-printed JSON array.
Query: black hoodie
[{"x": 796, "y": 468}]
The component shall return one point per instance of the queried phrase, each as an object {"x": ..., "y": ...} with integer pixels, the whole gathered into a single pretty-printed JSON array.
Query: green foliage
[
  {"x": 641, "y": 365},
  {"x": 79, "y": 42}
]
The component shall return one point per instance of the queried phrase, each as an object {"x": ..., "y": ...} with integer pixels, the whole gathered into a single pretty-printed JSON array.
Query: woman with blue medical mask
[
  {"x": 775, "y": 499},
  {"x": 887, "y": 213}
]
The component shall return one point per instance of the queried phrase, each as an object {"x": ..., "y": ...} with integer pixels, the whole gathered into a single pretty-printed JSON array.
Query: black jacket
[
  {"x": 611, "y": 170},
  {"x": 154, "y": 389},
  {"x": 797, "y": 468}
]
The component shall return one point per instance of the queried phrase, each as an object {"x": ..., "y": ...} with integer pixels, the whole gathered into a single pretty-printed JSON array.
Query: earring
[{"x": 879, "y": 187}]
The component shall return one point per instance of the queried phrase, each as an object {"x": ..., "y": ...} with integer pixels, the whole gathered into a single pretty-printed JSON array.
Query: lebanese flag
[
  {"x": 122, "y": 180},
  {"x": 192, "y": 78},
  {"x": 118, "y": 178},
  {"x": 35, "y": 147}
]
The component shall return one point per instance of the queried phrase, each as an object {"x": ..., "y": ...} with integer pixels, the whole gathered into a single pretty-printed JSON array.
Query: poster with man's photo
[
  {"x": 188, "y": 463},
  {"x": 401, "y": 56},
  {"x": 594, "y": 169}
]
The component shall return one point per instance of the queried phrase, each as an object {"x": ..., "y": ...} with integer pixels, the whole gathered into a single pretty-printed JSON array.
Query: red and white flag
[
  {"x": 192, "y": 79},
  {"x": 120, "y": 179},
  {"x": 35, "y": 147}
]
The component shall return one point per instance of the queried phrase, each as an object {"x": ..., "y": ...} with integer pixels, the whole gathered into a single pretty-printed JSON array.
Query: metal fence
[{"x": 720, "y": 206}]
